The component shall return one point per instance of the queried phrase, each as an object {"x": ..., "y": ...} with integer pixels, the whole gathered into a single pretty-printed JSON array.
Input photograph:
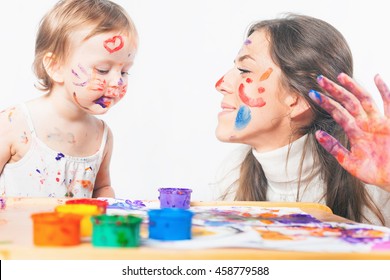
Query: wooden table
[{"x": 16, "y": 238}]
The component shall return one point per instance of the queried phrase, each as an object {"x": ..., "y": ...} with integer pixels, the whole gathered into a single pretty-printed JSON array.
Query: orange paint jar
[
  {"x": 56, "y": 229},
  {"x": 86, "y": 211},
  {"x": 102, "y": 204}
]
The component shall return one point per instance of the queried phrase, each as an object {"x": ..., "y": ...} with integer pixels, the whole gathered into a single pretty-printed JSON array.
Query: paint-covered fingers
[
  {"x": 365, "y": 99},
  {"x": 385, "y": 93},
  {"x": 333, "y": 146},
  {"x": 347, "y": 99},
  {"x": 368, "y": 159},
  {"x": 339, "y": 114},
  {"x": 348, "y": 160}
]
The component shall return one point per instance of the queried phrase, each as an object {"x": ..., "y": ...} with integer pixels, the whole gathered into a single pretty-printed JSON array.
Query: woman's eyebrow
[{"x": 244, "y": 57}]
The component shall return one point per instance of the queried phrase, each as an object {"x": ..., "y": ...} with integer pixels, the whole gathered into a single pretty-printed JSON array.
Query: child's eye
[
  {"x": 243, "y": 71},
  {"x": 124, "y": 74},
  {"x": 101, "y": 71}
]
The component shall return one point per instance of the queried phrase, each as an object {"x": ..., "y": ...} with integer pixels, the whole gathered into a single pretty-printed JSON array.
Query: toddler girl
[{"x": 54, "y": 146}]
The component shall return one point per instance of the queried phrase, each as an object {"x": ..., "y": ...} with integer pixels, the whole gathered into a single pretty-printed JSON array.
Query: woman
[{"x": 266, "y": 105}]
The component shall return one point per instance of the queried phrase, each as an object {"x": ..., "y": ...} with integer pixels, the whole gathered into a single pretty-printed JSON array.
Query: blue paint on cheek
[{"x": 243, "y": 117}]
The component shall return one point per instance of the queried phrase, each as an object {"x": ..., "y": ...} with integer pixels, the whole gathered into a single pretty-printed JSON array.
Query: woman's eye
[
  {"x": 243, "y": 71},
  {"x": 101, "y": 71}
]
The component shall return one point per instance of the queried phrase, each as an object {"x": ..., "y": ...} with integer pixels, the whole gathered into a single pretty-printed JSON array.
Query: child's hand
[{"x": 366, "y": 127}]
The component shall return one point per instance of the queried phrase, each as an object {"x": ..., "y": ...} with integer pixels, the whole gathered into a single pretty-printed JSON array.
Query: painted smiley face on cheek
[
  {"x": 244, "y": 113},
  {"x": 254, "y": 102},
  {"x": 251, "y": 102}
]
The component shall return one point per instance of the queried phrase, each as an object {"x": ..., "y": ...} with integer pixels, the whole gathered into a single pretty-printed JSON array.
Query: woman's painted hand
[{"x": 367, "y": 128}]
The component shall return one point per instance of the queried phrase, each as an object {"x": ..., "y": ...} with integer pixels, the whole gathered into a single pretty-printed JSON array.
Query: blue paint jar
[{"x": 170, "y": 224}]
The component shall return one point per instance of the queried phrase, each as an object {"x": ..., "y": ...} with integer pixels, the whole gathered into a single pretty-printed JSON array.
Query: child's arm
[
  {"x": 5, "y": 143},
  {"x": 103, "y": 182},
  {"x": 368, "y": 130}
]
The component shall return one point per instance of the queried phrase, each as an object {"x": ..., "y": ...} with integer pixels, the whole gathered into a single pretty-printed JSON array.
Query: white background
[{"x": 164, "y": 128}]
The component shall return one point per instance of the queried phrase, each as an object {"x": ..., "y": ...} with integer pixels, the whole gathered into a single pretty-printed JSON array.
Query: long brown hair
[{"x": 305, "y": 47}]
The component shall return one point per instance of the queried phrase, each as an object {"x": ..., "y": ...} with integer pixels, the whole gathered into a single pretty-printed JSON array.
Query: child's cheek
[
  {"x": 97, "y": 85},
  {"x": 122, "y": 91},
  {"x": 80, "y": 76}
]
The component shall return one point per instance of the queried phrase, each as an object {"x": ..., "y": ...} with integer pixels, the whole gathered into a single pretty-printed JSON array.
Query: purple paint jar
[{"x": 175, "y": 198}]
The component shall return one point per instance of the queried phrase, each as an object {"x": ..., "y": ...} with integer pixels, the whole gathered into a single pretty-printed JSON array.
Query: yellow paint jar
[
  {"x": 81, "y": 209},
  {"x": 102, "y": 204}
]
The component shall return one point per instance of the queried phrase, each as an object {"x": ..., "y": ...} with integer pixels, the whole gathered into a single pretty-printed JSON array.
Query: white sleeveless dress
[{"x": 44, "y": 172}]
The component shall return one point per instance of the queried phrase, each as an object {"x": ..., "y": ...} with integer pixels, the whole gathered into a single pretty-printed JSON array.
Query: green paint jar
[{"x": 116, "y": 230}]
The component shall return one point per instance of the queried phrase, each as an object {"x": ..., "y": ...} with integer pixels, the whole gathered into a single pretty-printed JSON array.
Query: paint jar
[
  {"x": 56, "y": 229},
  {"x": 116, "y": 231},
  {"x": 175, "y": 198},
  {"x": 101, "y": 204},
  {"x": 81, "y": 209},
  {"x": 170, "y": 224}
]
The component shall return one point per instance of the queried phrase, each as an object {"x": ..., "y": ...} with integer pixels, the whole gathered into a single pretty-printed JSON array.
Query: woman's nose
[{"x": 223, "y": 85}]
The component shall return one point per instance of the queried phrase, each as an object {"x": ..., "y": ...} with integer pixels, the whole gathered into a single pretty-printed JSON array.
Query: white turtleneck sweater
[
  {"x": 282, "y": 174},
  {"x": 281, "y": 168}
]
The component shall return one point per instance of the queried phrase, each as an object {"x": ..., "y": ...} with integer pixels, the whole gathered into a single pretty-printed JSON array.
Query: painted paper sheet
[{"x": 279, "y": 228}]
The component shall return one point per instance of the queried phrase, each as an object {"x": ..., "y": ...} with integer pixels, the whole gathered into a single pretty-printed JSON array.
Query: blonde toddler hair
[{"x": 66, "y": 17}]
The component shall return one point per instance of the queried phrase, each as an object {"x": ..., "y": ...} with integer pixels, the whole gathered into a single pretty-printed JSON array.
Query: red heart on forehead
[{"x": 114, "y": 44}]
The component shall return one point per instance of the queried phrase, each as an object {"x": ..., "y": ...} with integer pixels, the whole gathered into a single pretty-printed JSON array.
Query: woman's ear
[
  {"x": 53, "y": 67},
  {"x": 299, "y": 107}
]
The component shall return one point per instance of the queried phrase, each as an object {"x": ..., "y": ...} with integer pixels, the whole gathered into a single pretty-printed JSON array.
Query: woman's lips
[{"x": 226, "y": 109}]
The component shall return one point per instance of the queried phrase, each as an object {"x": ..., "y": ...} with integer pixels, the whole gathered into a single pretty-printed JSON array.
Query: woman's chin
[{"x": 224, "y": 136}]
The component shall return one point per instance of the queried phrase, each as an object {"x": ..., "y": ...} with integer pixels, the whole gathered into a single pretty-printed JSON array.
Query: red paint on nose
[{"x": 220, "y": 81}]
